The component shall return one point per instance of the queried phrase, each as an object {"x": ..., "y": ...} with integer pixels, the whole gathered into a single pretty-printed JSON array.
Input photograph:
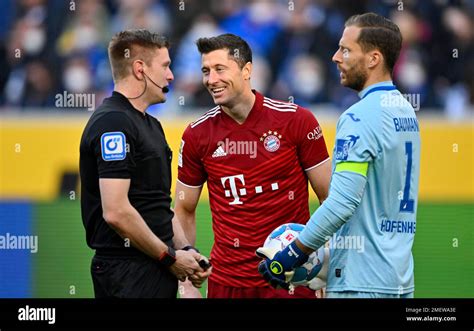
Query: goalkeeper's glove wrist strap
[{"x": 292, "y": 256}]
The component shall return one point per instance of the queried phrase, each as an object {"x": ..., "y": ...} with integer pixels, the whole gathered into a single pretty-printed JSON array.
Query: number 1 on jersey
[{"x": 408, "y": 205}]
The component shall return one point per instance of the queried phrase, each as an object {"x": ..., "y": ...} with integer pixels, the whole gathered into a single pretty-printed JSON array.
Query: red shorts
[{"x": 215, "y": 290}]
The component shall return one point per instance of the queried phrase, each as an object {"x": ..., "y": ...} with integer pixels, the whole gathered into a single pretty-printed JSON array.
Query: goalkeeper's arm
[{"x": 345, "y": 194}]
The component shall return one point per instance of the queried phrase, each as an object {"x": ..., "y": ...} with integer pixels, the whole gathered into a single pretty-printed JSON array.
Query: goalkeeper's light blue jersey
[{"x": 371, "y": 252}]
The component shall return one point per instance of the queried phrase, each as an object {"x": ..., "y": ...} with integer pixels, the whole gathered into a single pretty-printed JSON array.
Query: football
[{"x": 313, "y": 272}]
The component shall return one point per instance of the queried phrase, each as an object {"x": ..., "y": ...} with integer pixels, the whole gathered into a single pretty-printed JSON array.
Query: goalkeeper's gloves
[{"x": 277, "y": 266}]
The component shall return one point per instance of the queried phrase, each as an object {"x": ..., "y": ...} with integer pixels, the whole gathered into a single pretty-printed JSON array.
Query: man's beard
[{"x": 356, "y": 78}]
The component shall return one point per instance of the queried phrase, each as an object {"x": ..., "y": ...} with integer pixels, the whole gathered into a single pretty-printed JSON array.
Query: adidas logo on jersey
[{"x": 219, "y": 152}]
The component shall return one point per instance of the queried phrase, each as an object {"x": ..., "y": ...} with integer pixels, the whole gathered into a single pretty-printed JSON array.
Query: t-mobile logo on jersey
[
  {"x": 237, "y": 193},
  {"x": 233, "y": 188}
]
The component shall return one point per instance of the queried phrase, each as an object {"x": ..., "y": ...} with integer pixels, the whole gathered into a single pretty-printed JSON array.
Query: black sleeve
[{"x": 113, "y": 144}]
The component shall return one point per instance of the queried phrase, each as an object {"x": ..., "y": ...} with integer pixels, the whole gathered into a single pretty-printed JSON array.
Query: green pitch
[{"x": 443, "y": 250}]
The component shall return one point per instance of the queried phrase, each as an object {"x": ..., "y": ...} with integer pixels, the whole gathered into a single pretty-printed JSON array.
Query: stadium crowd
[{"x": 48, "y": 47}]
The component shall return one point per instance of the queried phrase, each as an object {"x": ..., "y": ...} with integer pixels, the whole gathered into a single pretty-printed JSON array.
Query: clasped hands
[{"x": 191, "y": 265}]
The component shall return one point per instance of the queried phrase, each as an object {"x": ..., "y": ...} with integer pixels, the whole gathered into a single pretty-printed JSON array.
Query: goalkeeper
[{"x": 374, "y": 185}]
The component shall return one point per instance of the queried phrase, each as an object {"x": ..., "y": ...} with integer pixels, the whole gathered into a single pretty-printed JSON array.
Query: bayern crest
[{"x": 271, "y": 140}]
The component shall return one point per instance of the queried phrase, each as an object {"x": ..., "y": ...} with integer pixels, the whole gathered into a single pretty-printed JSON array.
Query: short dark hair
[
  {"x": 378, "y": 32},
  {"x": 126, "y": 46},
  {"x": 238, "y": 48}
]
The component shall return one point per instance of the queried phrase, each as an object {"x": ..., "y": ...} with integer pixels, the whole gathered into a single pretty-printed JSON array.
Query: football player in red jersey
[{"x": 257, "y": 155}]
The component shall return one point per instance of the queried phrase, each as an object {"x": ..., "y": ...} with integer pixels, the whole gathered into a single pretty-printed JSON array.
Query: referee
[{"x": 125, "y": 169}]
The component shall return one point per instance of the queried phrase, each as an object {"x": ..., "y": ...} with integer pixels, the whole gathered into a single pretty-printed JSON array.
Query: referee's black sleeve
[{"x": 114, "y": 131}]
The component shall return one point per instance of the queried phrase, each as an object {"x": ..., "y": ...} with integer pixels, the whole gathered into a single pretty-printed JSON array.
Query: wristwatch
[{"x": 168, "y": 258}]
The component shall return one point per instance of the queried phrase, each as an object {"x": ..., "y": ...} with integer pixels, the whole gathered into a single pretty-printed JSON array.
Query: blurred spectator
[
  {"x": 142, "y": 14},
  {"x": 259, "y": 24},
  {"x": 87, "y": 28},
  {"x": 303, "y": 79},
  {"x": 32, "y": 87},
  {"x": 410, "y": 73},
  {"x": 26, "y": 44},
  {"x": 303, "y": 46},
  {"x": 455, "y": 95},
  {"x": 82, "y": 46},
  {"x": 77, "y": 76},
  {"x": 187, "y": 63}
]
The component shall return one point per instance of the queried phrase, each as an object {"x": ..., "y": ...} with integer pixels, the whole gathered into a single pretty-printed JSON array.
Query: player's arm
[
  {"x": 347, "y": 188},
  {"x": 320, "y": 178},
  {"x": 312, "y": 152},
  {"x": 128, "y": 223},
  {"x": 186, "y": 200},
  {"x": 179, "y": 238},
  {"x": 191, "y": 177},
  {"x": 181, "y": 241}
]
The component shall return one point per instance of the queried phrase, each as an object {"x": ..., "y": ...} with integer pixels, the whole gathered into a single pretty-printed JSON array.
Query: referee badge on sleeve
[{"x": 112, "y": 145}]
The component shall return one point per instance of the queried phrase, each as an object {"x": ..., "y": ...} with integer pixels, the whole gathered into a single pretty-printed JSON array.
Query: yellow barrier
[{"x": 35, "y": 152}]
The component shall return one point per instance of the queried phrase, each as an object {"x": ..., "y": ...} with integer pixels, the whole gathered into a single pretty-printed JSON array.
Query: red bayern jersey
[{"x": 255, "y": 174}]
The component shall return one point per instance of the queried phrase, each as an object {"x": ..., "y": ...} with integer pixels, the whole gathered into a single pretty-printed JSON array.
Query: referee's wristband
[
  {"x": 168, "y": 258},
  {"x": 188, "y": 247}
]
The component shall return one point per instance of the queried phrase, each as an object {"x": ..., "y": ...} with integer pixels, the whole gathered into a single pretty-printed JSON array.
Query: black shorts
[{"x": 131, "y": 277}]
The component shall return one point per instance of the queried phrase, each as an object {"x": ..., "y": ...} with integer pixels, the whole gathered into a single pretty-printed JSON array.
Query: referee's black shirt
[{"x": 121, "y": 142}]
